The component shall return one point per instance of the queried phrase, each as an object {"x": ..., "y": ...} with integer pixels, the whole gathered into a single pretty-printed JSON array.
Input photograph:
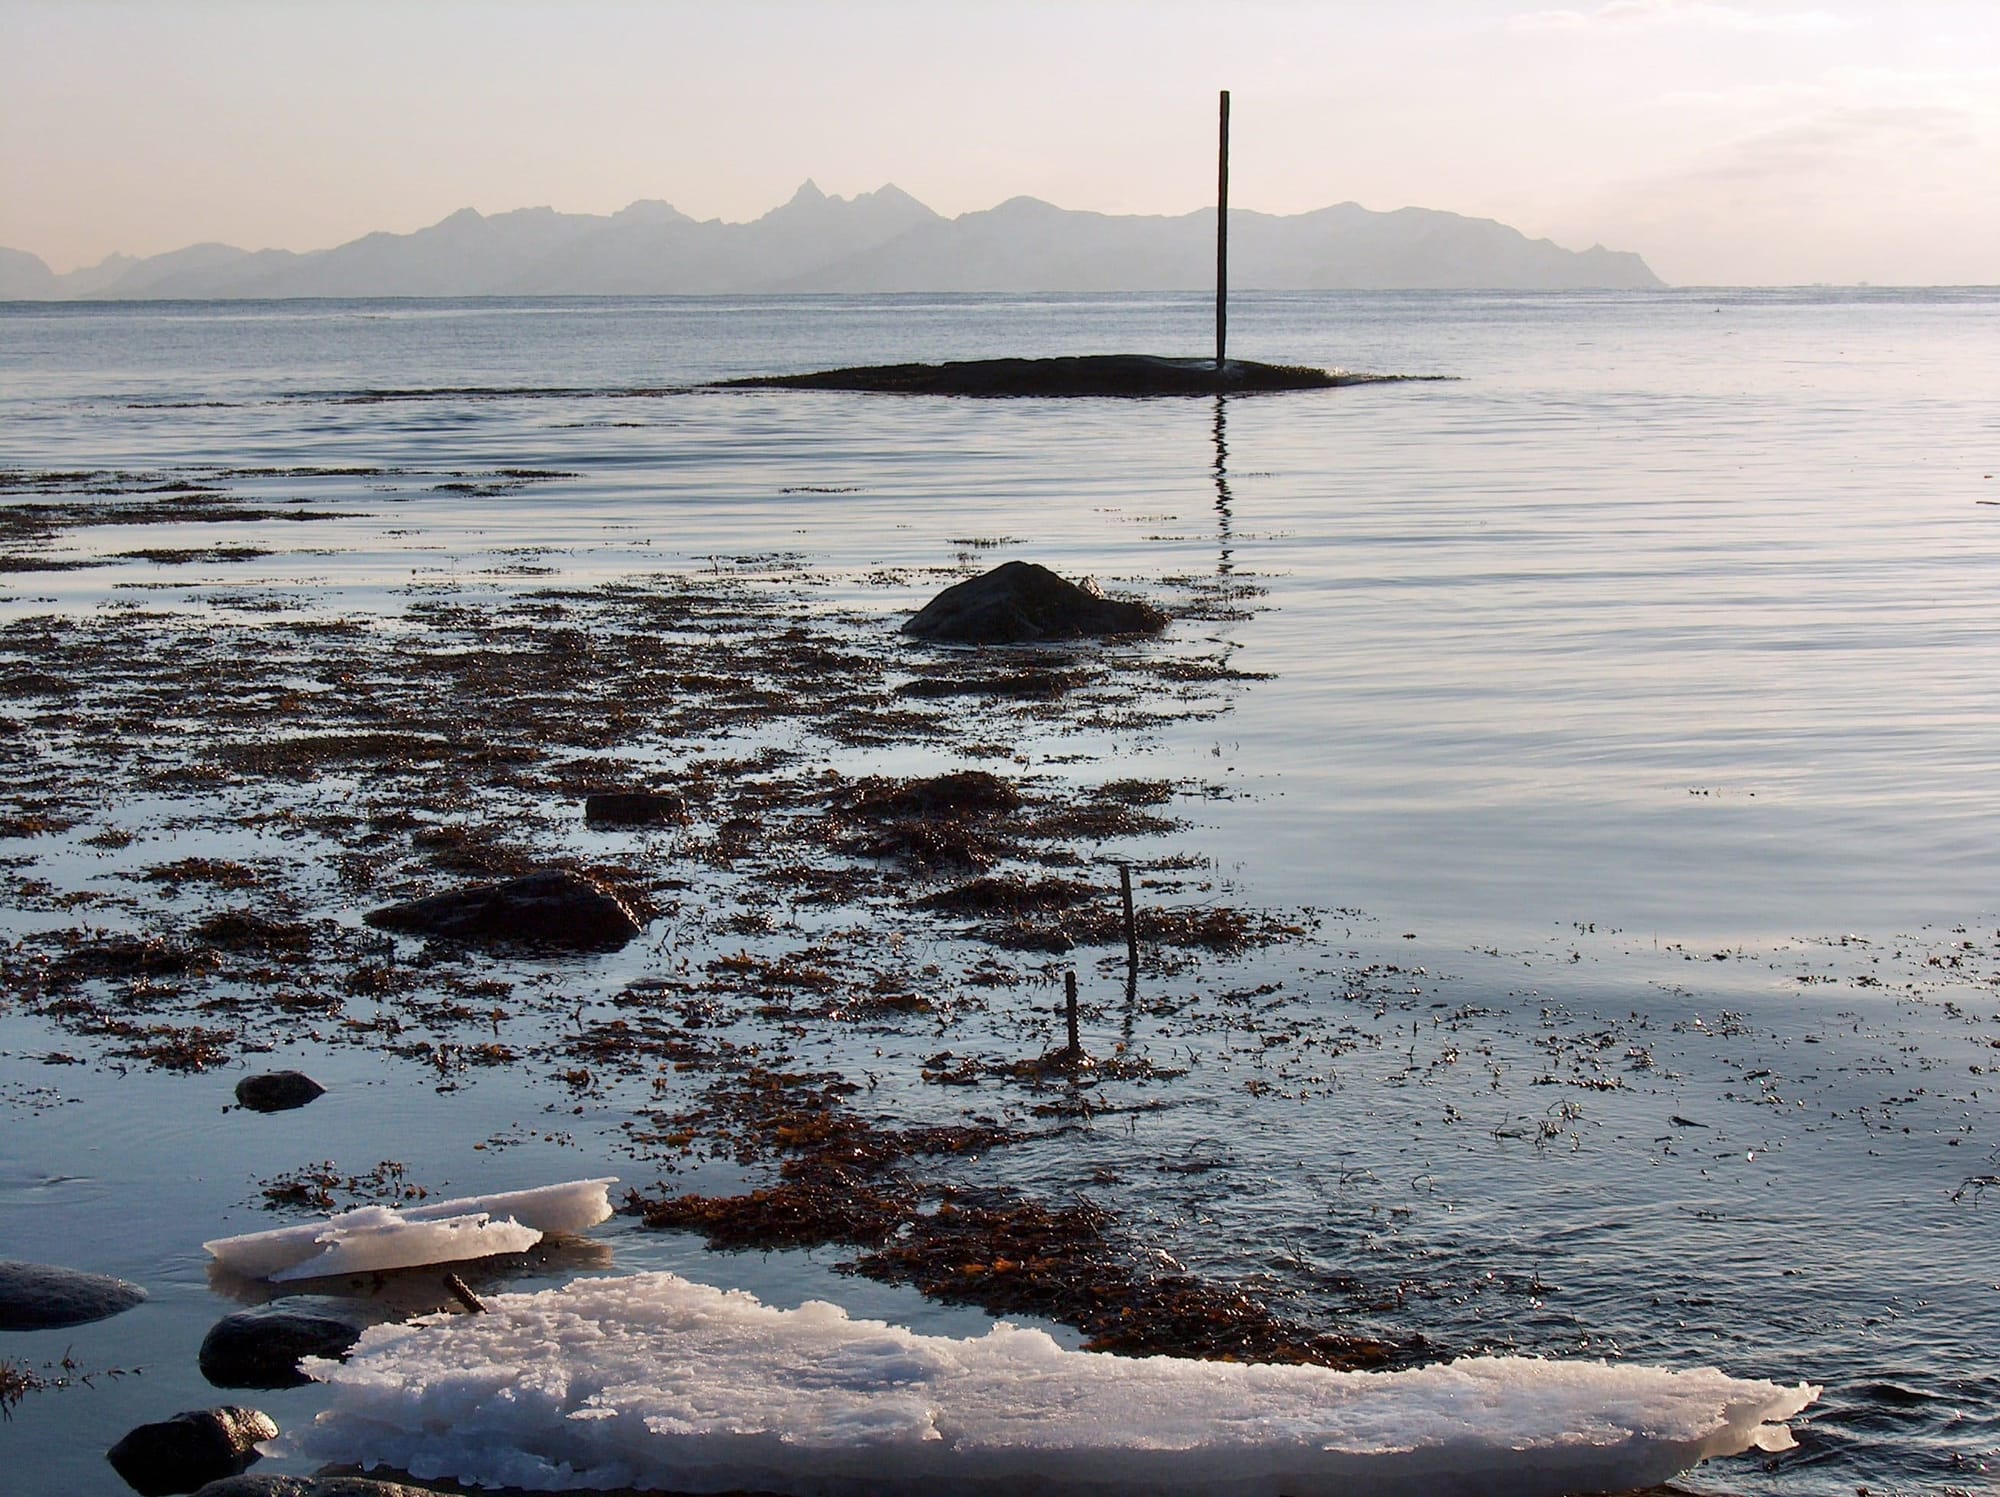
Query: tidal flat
[
  {"x": 1548, "y": 940},
  {"x": 839, "y": 1033}
]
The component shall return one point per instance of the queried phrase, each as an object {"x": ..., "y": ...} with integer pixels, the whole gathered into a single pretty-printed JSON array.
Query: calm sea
[{"x": 1626, "y": 705}]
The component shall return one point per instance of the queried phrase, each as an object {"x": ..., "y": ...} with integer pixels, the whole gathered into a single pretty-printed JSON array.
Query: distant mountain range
[{"x": 878, "y": 241}]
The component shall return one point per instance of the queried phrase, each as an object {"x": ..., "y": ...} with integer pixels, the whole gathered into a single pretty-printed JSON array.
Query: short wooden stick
[
  {"x": 1131, "y": 921},
  {"x": 1069, "y": 1011},
  {"x": 462, "y": 1292}
]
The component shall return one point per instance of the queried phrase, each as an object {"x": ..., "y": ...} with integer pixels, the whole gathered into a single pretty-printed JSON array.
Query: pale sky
[{"x": 1728, "y": 141}]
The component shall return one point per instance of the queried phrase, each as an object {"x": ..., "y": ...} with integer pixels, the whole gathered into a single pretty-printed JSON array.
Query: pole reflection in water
[{"x": 1222, "y": 496}]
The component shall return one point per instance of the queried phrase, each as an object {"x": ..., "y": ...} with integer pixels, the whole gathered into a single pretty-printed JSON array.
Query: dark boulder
[
  {"x": 277, "y": 1091},
  {"x": 261, "y": 1348},
  {"x": 556, "y": 907},
  {"x": 634, "y": 808},
  {"x": 1019, "y": 601},
  {"x": 39, "y": 1296},
  {"x": 190, "y": 1450}
]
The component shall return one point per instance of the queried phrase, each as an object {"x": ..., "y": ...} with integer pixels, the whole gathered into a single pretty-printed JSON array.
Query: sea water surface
[{"x": 1625, "y": 704}]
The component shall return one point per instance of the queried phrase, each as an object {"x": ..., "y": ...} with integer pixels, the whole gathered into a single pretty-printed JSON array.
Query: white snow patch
[
  {"x": 652, "y": 1381},
  {"x": 375, "y": 1237}
]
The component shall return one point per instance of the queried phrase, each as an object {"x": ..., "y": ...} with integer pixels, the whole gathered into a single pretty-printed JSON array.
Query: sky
[{"x": 1730, "y": 142}]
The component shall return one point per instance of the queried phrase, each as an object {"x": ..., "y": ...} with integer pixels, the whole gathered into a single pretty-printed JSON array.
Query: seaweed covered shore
[
  {"x": 327, "y": 762},
  {"x": 860, "y": 869}
]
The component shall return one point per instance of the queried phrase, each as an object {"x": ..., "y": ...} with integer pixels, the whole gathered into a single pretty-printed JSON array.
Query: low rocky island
[{"x": 1118, "y": 374}]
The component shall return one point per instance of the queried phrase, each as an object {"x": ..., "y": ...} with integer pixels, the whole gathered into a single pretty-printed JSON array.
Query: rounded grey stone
[{"x": 39, "y": 1296}]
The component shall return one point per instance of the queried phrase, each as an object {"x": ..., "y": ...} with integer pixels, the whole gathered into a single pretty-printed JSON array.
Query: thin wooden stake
[
  {"x": 1069, "y": 1012},
  {"x": 1222, "y": 241},
  {"x": 462, "y": 1292},
  {"x": 1131, "y": 924}
]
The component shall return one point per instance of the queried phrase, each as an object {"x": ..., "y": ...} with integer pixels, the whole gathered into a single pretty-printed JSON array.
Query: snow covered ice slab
[
  {"x": 441, "y": 1232},
  {"x": 652, "y": 1381},
  {"x": 376, "y": 1238}
]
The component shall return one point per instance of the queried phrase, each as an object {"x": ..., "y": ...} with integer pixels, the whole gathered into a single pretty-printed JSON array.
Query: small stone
[
  {"x": 277, "y": 1091},
  {"x": 634, "y": 808},
  {"x": 40, "y": 1296},
  {"x": 1018, "y": 602},
  {"x": 555, "y": 907},
  {"x": 191, "y": 1449},
  {"x": 261, "y": 1348}
]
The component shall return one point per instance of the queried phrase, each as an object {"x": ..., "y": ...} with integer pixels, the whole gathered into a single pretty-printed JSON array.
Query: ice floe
[
  {"x": 381, "y": 1237},
  {"x": 652, "y": 1381}
]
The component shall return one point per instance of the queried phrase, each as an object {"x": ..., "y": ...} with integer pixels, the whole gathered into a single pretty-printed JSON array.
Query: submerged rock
[
  {"x": 1019, "y": 601},
  {"x": 261, "y": 1348},
  {"x": 310, "y": 1486},
  {"x": 191, "y": 1449},
  {"x": 634, "y": 808},
  {"x": 555, "y": 907},
  {"x": 277, "y": 1091},
  {"x": 40, "y": 1296}
]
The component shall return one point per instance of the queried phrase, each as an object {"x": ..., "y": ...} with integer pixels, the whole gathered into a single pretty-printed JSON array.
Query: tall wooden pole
[{"x": 1222, "y": 239}]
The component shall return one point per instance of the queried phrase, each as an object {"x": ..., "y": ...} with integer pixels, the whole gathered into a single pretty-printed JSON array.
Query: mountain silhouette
[{"x": 876, "y": 241}]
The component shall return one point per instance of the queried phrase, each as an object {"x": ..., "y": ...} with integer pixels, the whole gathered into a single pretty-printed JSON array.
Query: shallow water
[{"x": 1626, "y": 710}]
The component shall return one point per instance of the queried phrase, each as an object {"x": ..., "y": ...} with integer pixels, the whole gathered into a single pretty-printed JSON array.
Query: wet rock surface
[
  {"x": 261, "y": 1348},
  {"x": 634, "y": 808},
  {"x": 1129, "y": 374},
  {"x": 554, "y": 907},
  {"x": 191, "y": 1449},
  {"x": 1019, "y": 602},
  {"x": 277, "y": 1091},
  {"x": 309, "y": 1486},
  {"x": 40, "y": 1296}
]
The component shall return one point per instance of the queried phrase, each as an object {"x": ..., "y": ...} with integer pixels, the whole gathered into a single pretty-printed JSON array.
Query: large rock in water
[
  {"x": 40, "y": 1296},
  {"x": 277, "y": 1091},
  {"x": 555, "y": 907},
  {"x": 261, "y": 1348},
  {"x": 190, "y": 1450},
  {"x": 1018, "y": 602}
]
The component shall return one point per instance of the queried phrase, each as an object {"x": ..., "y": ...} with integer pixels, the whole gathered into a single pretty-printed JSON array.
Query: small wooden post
[
  {"x": 1069, "y": 1012},
  {"x": 1131, "y": 923},
  {"x": 1222, "y": 241},
  {"x": 462, "y": 1292}
]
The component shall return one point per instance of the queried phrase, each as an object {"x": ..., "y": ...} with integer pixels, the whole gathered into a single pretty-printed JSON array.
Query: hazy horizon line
[{"x": 1665, "y": 289}]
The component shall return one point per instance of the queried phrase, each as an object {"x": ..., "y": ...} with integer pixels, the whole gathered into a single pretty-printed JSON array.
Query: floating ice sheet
[
  {"x": 652, "y": 1381},
  {"x": 376, "y": 1237}
]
